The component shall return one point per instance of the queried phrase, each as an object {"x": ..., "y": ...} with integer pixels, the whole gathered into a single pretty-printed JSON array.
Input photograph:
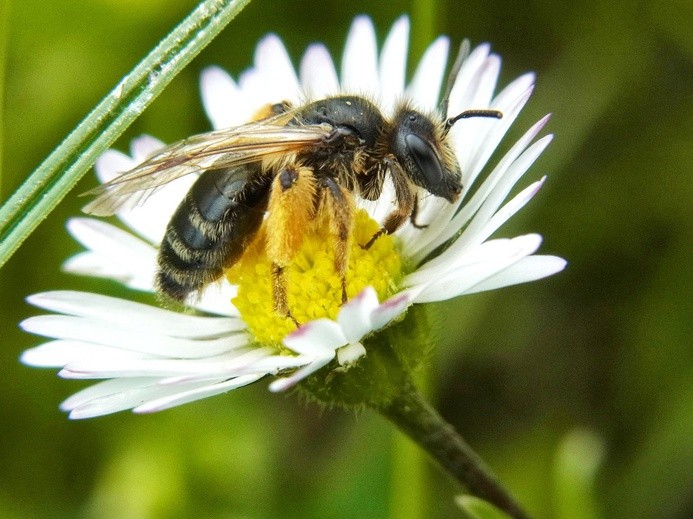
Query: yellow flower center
[{"x": 313, "y": 287}]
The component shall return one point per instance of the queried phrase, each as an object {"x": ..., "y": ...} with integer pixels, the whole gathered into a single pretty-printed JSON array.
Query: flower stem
[
  {"x": 414, "y": 416},
  {"x": 52, "y": 180}
]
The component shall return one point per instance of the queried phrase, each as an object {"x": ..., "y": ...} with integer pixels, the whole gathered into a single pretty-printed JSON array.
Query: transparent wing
[{"x": 219, "y": 149}]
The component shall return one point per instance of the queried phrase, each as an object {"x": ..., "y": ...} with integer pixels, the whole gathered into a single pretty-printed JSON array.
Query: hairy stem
[{"x": 414, "y": 416}]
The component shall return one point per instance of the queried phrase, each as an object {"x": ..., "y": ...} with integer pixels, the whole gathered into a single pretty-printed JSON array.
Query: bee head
[{"x": 421, "y": 148}]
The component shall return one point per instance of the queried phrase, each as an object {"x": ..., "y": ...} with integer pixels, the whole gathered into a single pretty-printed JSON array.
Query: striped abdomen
[{"x": 210, "y": 229}]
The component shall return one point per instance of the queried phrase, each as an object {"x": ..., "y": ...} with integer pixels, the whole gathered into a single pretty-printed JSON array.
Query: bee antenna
[
  {"x": 449, "y": 123},
  {"x": 462, "y": 55}
]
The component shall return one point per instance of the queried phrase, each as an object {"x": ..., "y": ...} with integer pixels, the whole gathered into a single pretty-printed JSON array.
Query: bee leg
[
  {"x": 291, "y": 209},
  {"x": 271, "y": 109},
  {"x": 406, "y": 202},
  {"x": 281, "y": 306},
  {"x": 340, "y": 209},
  {"x": 414, "y": 214},
  {"x": 279, "y": 290}
]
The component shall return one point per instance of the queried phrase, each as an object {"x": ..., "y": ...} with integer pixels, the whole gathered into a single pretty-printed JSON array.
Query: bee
[{"x": 284, "y": 170}]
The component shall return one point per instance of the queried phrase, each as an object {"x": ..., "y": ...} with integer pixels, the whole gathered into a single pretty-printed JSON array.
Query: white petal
[
  {"x": 135, "y": 315},
  {"x": 56, "y": 354},
  {"x": 273, "y": 364},
  {"x": 482, "y": 226},
  {"x": 273, "y": 63},
  {"x": 147, "y": 216},
  {"x": 471, "y": 133},
  {"x": 115, "y": 254},
  {"x": 112, "y": 163},
  {"x": 457, "y": 281},
  {"x": 393, "y": 64},
  {"x": 124, "y": 399},
  {"x": 391, "y": 309},
  {"x": 194, "y": 394},
  {"x": 222, "y": 99},
  {"x": 282, "y": 384},
  {"x": 490, "y": 132},
  {"x": 514, "y": 91},
  {"x": 464, "y": 89},
  {"x": 255, "y": 91},
  {"x": 103, "y": 238},
  {"x": 355, "y": 316},
  {"x": 483, "y": 253},
  {"x": 359, "y": 63},
  {"x": 150, "y": 216},
  {"x": 509, "y": 209},
  {"x": 425, "y": 86},
  {"x": 144, "y": 146},
  {"x": 255, "y": 362},
  {"x": 216, "y": 299},
  {"x": 105, "y": 388},
  {"x": 227, "y": 365},
  {"x": 473, "y": 234},
  {"x": 90, "y": 264},
  {"x": 510, "y": 101},
  {"x": 500, "y": 172},
  {"x": 318, "y": 75},
  {"x": 527, "y": 269},
  {"x": 317, "y": 338},
  {"x": 133, "y": 339}
]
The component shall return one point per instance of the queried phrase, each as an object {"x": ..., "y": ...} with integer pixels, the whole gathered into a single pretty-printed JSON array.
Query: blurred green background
[{"x": 590, "y": 368}]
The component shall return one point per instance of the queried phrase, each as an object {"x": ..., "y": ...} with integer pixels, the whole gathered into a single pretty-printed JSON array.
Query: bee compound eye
[{"x": 430, "y": 170}]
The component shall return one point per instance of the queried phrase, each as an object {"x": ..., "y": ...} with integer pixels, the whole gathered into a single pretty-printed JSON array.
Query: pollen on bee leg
[
  {"x": 338, "y": 207},
  {"x": 290, "y": 212},
  {"x": 313, "y": 285},
  {"x": 281, "y": 307},
  {"x": 271, "y": 109}
]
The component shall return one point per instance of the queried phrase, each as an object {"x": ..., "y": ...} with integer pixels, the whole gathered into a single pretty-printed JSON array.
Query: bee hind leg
[
  {"x": 340, "y": 207},
  {"x": 281, "y": 306},
  {"x": 291, "y": 210}
]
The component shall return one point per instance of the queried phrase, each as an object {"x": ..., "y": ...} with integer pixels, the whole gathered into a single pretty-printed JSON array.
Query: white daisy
[{"x": 151, "y": 358}]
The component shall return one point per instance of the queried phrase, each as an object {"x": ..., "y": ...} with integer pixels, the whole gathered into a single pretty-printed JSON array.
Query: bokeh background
[{"x": 577, "y": 390}]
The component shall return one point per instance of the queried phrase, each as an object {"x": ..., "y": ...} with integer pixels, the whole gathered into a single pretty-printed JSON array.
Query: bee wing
[{"x": 219, "y": 149}]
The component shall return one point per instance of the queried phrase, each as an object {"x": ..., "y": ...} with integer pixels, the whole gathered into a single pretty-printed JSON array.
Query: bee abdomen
[{"x": 210, "y": 229}]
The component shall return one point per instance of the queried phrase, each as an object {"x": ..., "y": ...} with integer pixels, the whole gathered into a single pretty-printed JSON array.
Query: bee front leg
[
  {"x": 414, "y": 214},
  {"x": 291, "y": 209},
  {"x": 340, "y": 208},
  {"x": 405, "y": 198}
]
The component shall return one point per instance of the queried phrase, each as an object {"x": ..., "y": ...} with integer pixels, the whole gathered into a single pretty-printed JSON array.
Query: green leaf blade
[{"x": 63, "y": 168}]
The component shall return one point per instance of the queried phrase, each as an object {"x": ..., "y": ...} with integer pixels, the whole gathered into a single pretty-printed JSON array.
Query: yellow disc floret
[{"x": 313, "y": 287}]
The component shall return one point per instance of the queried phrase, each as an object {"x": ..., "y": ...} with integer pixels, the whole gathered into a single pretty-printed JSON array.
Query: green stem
[
  {"x": 414, "y": 416},
  {"x": 54, "y": 178},
  {"x": 409, "y": 478}
]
